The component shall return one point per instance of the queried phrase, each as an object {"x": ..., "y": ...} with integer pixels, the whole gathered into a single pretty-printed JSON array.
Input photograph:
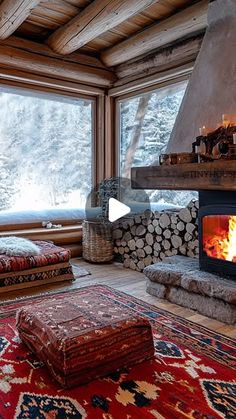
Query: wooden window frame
[
  {"x": 130, "y": 93},
  {"x": 70, "y": 90},
  {"x": 106, "y": 118}
]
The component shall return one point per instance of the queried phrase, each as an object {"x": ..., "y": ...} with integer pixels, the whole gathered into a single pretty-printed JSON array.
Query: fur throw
[{"x": 17, "y": 246}]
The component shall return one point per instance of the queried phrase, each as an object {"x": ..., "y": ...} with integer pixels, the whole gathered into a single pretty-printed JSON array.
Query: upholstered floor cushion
[
  {"x": 84, "y": 337},
  {"x": 49, "y": 255}
]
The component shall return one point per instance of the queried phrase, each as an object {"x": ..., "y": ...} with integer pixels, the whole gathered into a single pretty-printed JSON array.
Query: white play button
[{"x": 117, "y": 210}]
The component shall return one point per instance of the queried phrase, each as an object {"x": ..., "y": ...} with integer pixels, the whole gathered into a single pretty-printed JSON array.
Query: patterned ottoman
[
  {"x": 83, "y": 337},
  {"x": 51, "y": 265}
]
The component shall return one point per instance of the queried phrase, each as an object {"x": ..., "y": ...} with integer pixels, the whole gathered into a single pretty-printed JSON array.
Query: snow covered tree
[
  {"x": 46, "y": 151},
  {"x": 146, "y": 124}
]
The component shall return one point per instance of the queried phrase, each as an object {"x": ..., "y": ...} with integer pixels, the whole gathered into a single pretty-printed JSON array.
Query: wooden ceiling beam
[
  {"x": 36, "y": 63},
  {"x": 97, "y": 18},
  {"x": 43, "y": 49},
  {"x": 13, "y": 13},
  {"x": 177, "y": 54},
  {"x": 182, "y": 24}
]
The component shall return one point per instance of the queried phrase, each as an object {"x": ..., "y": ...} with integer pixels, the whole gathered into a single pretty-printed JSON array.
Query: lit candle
[
  {"x": 234, "y": 138},
  {"x": 203, "y": 131},
  {"x": 225, "y": 120}
]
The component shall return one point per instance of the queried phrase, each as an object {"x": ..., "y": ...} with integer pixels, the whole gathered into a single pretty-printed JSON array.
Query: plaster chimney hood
[{"x": 211, "y": 90}]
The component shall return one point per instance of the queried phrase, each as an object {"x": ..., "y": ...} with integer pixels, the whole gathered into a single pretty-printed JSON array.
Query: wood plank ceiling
[{"x": 108, "y": 31}]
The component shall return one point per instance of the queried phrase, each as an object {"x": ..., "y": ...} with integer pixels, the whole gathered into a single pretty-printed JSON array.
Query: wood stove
[
  {"x": 216, "y": 183},
  {"x": 217, "y": 232}
]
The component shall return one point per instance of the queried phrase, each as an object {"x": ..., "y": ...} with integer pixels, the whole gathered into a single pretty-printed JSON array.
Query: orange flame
[{"x": 223, "y": 244}]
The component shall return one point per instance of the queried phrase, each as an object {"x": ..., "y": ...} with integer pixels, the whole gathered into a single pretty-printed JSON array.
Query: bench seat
[{"x": 51, "y": 265}]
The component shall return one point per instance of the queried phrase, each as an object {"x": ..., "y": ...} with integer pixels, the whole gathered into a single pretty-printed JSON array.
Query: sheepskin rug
[{"x": 17, "y": 246}]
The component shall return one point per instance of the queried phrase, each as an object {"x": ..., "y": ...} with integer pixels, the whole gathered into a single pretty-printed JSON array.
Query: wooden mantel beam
[
  {"x": 217, "y": 175},
  {"x": 185, "y": 23},
  {"x": 13, "y": 13},
  {"x": 97, "y": 18}
]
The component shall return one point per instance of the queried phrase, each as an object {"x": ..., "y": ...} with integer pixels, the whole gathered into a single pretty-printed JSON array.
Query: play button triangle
[{"x": 117, "y": 210}]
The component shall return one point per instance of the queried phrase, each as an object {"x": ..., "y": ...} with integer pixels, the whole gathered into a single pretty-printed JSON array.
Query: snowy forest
[
  {"x": 146, "y": 124},
  {"x": 46, "y": 145},
  {"x": 46, "y": 151}
]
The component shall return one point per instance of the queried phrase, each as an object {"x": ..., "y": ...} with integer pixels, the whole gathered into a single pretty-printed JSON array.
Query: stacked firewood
[{"x": 148, "y": 238}]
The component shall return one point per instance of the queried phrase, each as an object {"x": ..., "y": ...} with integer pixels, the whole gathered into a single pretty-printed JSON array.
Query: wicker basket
[{"x": 97, "y": 241}]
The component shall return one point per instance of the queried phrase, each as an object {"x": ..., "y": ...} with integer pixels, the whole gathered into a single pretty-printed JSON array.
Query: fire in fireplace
[
  {"x": 217, "y": 232},
  {"x": 219, "y": 236}
]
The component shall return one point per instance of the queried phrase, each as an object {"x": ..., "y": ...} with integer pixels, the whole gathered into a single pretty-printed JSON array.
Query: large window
[
  {"x": 146, "y": 122},
  {"x": 46, "y": 151}
]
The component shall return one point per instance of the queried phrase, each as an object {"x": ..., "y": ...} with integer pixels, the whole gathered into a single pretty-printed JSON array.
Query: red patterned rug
[{"x": 192, "y": 375}]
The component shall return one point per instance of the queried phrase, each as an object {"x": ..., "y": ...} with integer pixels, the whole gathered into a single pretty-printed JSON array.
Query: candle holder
[
  {"x": 216, "y": 144},
  {"x": 225, "y": 120}
]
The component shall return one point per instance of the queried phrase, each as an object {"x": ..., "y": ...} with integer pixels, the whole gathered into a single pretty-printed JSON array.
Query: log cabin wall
[
  {"x": 101, "y": 49},
  {"x": 104, "y": 43}
]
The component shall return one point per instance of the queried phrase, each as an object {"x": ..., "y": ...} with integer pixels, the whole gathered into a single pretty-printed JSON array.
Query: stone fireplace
[{"x": 211, "y": 290}]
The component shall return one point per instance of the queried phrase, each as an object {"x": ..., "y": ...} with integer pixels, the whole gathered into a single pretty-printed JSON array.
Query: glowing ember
[{"x": 222, "y": 245}]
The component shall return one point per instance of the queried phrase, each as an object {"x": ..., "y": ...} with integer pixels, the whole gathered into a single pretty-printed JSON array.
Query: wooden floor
[{"x": 126, "y": 280}]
